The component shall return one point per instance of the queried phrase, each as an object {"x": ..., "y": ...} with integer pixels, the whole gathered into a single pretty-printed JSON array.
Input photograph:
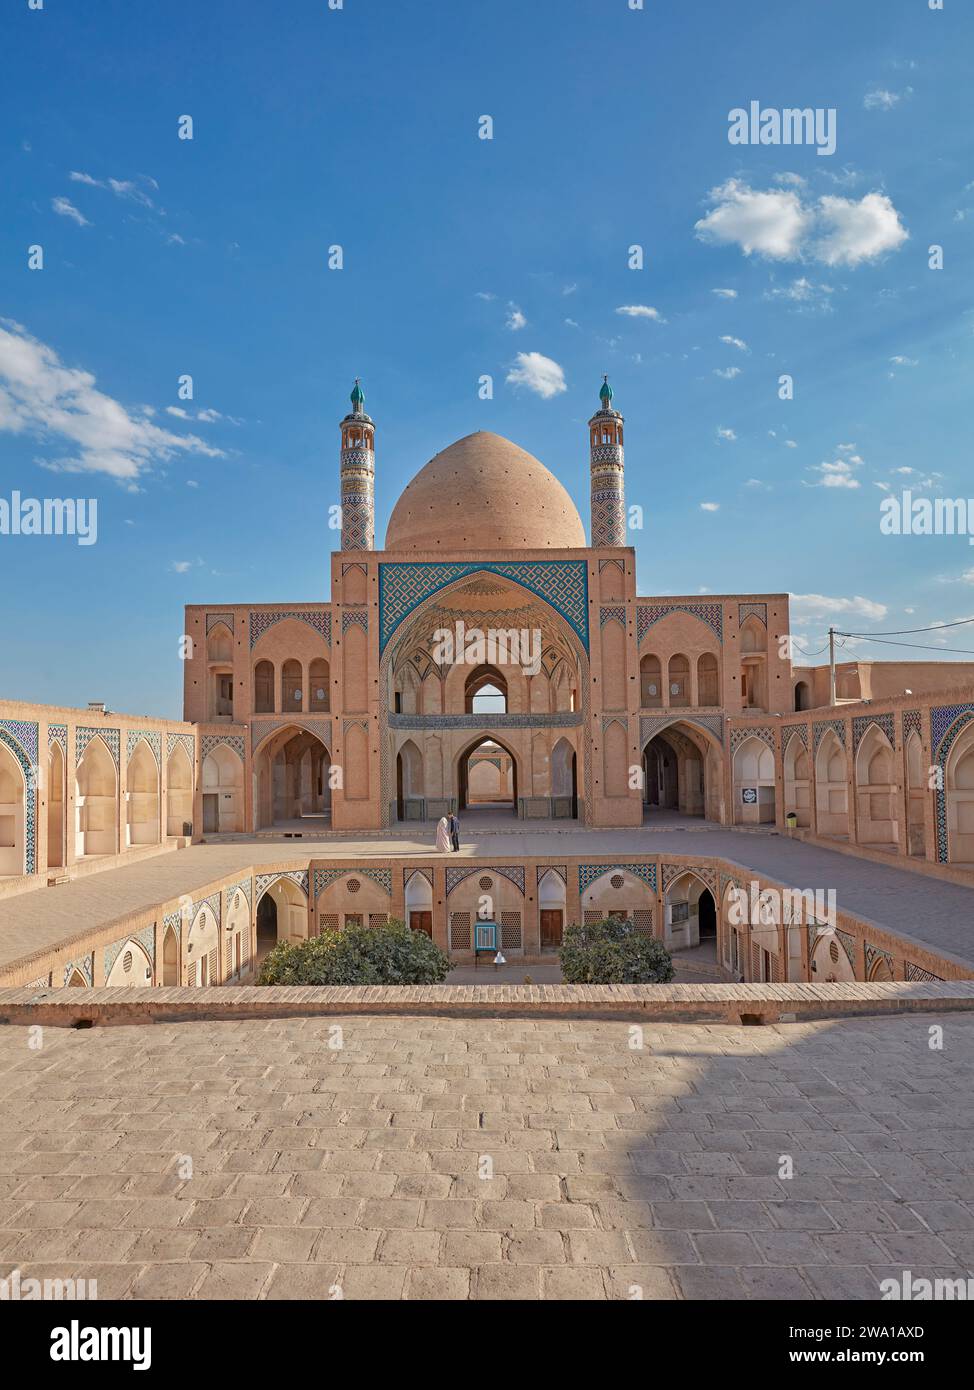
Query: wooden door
[
  {"x": 422, "y": 921},
  {"x": 551, "y": 927},
  {"x": 211, "y": 813}
]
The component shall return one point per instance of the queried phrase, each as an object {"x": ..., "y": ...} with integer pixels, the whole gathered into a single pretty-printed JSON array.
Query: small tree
[
  {"x": 612, "y": 952},
  {"x": 392, "y": 954}
]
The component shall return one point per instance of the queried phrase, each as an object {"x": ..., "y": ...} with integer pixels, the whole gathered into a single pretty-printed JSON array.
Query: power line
[
  {"x": 907, "y": 631},
  {"x": 920, "y": 647}
]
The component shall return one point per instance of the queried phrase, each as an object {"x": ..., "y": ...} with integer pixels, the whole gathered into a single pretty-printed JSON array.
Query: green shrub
[
  {"x": 392, "y": 954},
  {"x": 612, "y": 952}
]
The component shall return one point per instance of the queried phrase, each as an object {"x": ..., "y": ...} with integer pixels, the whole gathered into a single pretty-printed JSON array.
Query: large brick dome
[{"x": 484, "y": 493}]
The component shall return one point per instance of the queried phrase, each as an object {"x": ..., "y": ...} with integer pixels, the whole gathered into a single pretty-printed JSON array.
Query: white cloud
[
  {"x": 484, "y": 294},
  {"x": 858, "y": 231},
  {"x": 899, "y": 361},
  {"x": 42, "y": 398},
  {"x": 807, "y": 296},
  {"x": 725, "y": 294},
  {"x": 806, "y": 607},
  {"x": 771, "y": 224},
  {"x": 710, "y": 506},
  {"x": 790, "y": 444},
  {"x": 723, "y": 433},
  {"x": 837, "y": 474},
  {"x": 881, "y": 99},
  {"x": 64, "y": 208},
  {"x": 515, "y": 319},
  {"x": 739, "y": 343},
  {"x": 778, "y": 225},
  {"x": 539, "y": 374},
  {"x": 728, "y": 373},
  {"x": 181, "y": 566},
  {"x": 792, "y": 180},
  {"x": 122, "y": 188},
  {"x": 569, "y": 289},
  {"x": 640, "y": 311},
  {"x": 570, "y": 323}
]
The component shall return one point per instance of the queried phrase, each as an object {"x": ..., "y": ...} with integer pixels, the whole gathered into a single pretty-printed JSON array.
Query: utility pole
[{"x": 831, "y": 665}]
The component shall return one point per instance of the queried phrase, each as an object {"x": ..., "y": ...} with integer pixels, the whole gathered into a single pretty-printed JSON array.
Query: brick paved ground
[{"x": 361, "y": 1168}]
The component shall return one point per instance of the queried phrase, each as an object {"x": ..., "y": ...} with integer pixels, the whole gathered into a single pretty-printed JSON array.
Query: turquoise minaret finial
[
  {"x": 358, "y": 396},
  {"x": 605, "y": 395}
]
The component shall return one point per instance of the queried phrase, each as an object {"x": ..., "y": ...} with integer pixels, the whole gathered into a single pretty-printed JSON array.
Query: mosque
[{"x": 493, "y": 661}]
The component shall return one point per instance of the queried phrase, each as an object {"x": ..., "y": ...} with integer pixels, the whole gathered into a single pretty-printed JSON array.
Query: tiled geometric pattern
[
  {"x": 946, "y": 721},
  {"x": 146, "y": 938},
  {"x": 561, "y": 583},
  {"x": 649, "y": 613},
  {"x": 608, "y": 719},
  {"x": 739, "y": 736},
  {"x": 152, "y": 737},
  {"x": 110, "y": 737},
  {"x": 212, "y": 619},
  {"x": 873, "y": 956},
  {"x": 612, "y": 615},
  {"x": 188, "y": 742},
  {"x": 675, "y": 871},
  {"x": 354, "y": 565},
  {"x": 245, "y": 886},
  {"x": 916, "y": 972},
  {"x": 324, "y": 878},
  {"x": 513, "y": 872},
  {"x": 608, "y": 517},
  {"x": 25, "y": 733},
  {"x": 912, "y": 723},
  {"x": 791, "y": 731},
  {"x": 942, "y": 719},
  {"x": 759, "y": 610},
  {"x": 355, "y": 617},
  {"x": 820, "y": 730},
  {"x": 318, "y": 618},
  {"x": 604, "y": 564},
  {"x": 58, "y": 733},
  {"x": 28, "y": 767},
  {"x": 321, "y": 728},
  {"x": 407, "y": 874},
  {"x": 652, "y": 724},
  {"x": 884, "y": 722},
  {"x": 173, "y": 922},
  {"x": 298, "y": 876},
  {"x": 85, "y": 966},
  {"x": 848, "y": 944},
  {"x": 233, "y": 741},
  {"x": 559, "y": 869},
  {"x": 588, "y": 873},
  {"x": 197, "y": 906}
]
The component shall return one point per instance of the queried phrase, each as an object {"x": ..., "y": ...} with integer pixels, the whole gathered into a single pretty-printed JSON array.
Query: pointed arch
[
  {"x": 223, "y": 790},
  {"x": 142, "y": 796},
  {"x": 875, "y": 779},
  {"x": 754, "y": 782},
  {"x": 132, "y": 966},
  {"x": 13, "y": 815},
  {"x": 831, "y": 788},
  {"x": 502, "y": 790},
  {"x": 96, "y": 801},
  {"x": 797, "y": 779},
  {"x": 179, "y": 791},
  {"x": 56, "y": 806}
]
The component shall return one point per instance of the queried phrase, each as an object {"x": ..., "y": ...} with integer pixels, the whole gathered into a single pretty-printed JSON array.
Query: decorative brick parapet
[{"x": 728, "y": 1003}]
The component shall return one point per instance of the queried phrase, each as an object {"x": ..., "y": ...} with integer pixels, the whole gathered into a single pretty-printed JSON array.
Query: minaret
[
  {"x": 607, "y": 463},
  {"x": 358, "y": 476}
]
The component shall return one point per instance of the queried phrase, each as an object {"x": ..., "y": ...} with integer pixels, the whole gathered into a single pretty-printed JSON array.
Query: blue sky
[{"x": 464, "y": 257}]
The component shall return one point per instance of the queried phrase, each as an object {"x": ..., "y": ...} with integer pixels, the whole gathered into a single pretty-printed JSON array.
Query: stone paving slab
[{"x": 442, "y": 1159}]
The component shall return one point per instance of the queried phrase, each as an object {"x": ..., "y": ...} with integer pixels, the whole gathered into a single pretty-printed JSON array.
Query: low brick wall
[{"x": 728, "y": 1003}]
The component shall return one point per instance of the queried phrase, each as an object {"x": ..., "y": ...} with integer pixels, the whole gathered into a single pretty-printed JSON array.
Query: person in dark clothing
[{"x": 455, "y": 831}]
